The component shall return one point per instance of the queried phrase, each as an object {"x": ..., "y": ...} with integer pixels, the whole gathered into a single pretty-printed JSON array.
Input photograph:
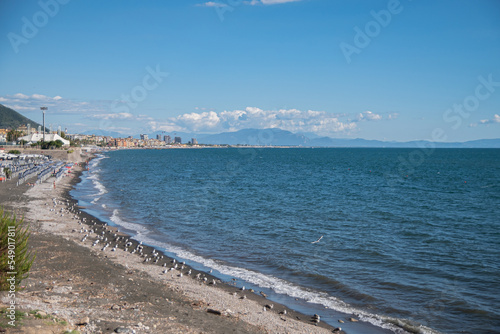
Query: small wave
[
  {"x": 283, "y": 287},
  {"x": 99, "y": 186},
  {"x": 94, "y": 162},
  {"x": 94, "y": 201},
  {"x": 138, "y": 228}
]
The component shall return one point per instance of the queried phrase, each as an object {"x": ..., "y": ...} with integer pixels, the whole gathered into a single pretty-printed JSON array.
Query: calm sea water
[{"x": 411, "y": 238}]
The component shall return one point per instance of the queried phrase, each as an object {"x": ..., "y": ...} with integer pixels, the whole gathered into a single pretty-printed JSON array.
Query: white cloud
[
  {"x": 275, "y": 2},
  {"x": 55, "y": 105},
  {"x": 368, "y": 116},
  {"x": 212, "y": 4},
  {"x": 252, "y": 3},
  {"x": 20, "y": 96},
  {"x": 293, "y": 120},
  {"x": 21, "y": 107},
  {"x": 495, "y": 119},
  {"x": 120, "y": 115}
]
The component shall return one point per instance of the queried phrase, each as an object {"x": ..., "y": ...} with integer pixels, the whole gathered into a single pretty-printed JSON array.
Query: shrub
[
  {"x": 15, "y": 259},
  {"x": 15, "y": 152}
]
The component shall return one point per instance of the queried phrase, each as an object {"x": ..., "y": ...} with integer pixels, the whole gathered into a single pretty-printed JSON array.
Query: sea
[{"x": 408, "y": 240}]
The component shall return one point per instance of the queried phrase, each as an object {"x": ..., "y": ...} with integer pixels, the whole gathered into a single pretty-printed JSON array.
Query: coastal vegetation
[
  {"x": 15, "y": 258},
  {"x": 52, "y": 144}
]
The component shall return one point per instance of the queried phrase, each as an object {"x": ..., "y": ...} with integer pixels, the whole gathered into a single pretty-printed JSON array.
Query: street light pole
[{"x": 43, "y": 110}]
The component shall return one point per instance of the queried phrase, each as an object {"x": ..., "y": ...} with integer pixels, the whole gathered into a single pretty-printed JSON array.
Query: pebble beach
[{"x": 90, "y": 277}]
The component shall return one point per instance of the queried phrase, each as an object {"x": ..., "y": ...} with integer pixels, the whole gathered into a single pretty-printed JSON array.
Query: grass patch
[
  {"x": 4, "y": 318},
  {"x": 15, "y": 257}
]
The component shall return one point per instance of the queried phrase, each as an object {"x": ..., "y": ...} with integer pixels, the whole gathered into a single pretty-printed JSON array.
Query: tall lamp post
[{"x": 43, "y": 110}]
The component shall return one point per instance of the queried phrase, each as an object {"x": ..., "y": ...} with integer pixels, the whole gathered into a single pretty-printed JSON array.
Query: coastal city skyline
[{"x": 383, "y": 70}]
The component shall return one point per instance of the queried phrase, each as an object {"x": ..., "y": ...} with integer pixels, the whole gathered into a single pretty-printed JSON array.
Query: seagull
[{"x": 317, "y": 240}]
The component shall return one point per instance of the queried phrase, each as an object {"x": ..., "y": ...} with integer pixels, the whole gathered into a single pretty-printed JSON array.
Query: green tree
[
  {"x": 52, "y": 144},
  {"x": 12, "y": 135},
  {"x": 15, "y": 258}
]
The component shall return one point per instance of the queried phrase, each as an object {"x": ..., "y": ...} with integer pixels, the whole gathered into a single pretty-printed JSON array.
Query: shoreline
[{"x": 222, "y": 301}]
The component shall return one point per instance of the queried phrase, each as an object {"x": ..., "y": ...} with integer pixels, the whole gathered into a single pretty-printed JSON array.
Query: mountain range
[
  {"x": 11, "y": 119},
  {"x": 278, "y": 137}
]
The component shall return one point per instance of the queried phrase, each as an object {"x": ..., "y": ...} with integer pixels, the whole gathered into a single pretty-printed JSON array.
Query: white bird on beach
[{"x": 317, "y": 240}]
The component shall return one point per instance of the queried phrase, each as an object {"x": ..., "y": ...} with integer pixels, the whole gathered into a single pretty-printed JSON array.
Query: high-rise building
[
  {"x": 158, "y": 136},
  {"x": 194, "y": 141},
  {"x": 144, "y": 137},
  {"x": 167, "y": 139},
  {"x": 177, "y": 140}
]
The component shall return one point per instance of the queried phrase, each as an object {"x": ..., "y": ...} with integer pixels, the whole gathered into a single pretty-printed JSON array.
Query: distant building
[
  {"x": 194, "y": 141},
  {"x": 144, "y": 137},
  {"x": 158, "y": 137},
  {"x": 177, "y": 140},
  {"x": 23, "y": 128},
  {"x": 167, "y": 139}
]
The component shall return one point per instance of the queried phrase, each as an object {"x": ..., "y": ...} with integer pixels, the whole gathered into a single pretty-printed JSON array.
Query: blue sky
[{"x": 387, "y": 70}]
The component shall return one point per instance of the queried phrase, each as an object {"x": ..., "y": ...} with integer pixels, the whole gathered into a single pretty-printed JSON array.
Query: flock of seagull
[{"x": 100, "y": 234}]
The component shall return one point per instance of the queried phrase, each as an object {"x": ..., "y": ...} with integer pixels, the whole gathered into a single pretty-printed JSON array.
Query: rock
[
  {"x": 214, "y": 311},
  {"x": 83, "y": 321},
  {"x": 269, "y": 306},
  {"x": 353, "y": 320},
  {"x": 41, "y": 313},
  {"x": 116, "y": 307},
  {"x": 124, "y": 330},
  {"x": 336, "y": 330},
  {"x": 341, "y": 321},
  {"x": 62, "y": 289}
]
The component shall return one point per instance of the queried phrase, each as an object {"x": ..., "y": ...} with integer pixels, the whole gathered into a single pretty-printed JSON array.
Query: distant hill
[
  {"x": 278, "y": 137},
  {"x": 104, "y": 133},
  {"x": 257, "y": 137},
  {"x": 11, "y": 119},
  {"x": 286, "y": 138}
]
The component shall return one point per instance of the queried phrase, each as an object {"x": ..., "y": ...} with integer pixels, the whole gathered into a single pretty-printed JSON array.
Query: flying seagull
[{"x": 317, "y": 240}]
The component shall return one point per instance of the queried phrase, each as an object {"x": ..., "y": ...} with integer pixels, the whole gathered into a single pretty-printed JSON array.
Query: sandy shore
[{"x": 97, "y": 289}]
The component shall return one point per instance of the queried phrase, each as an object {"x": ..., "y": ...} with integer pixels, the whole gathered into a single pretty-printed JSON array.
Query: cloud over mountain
[
  {"x": 292, "y": 120},
  {"x": 495, "y": 119}
]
